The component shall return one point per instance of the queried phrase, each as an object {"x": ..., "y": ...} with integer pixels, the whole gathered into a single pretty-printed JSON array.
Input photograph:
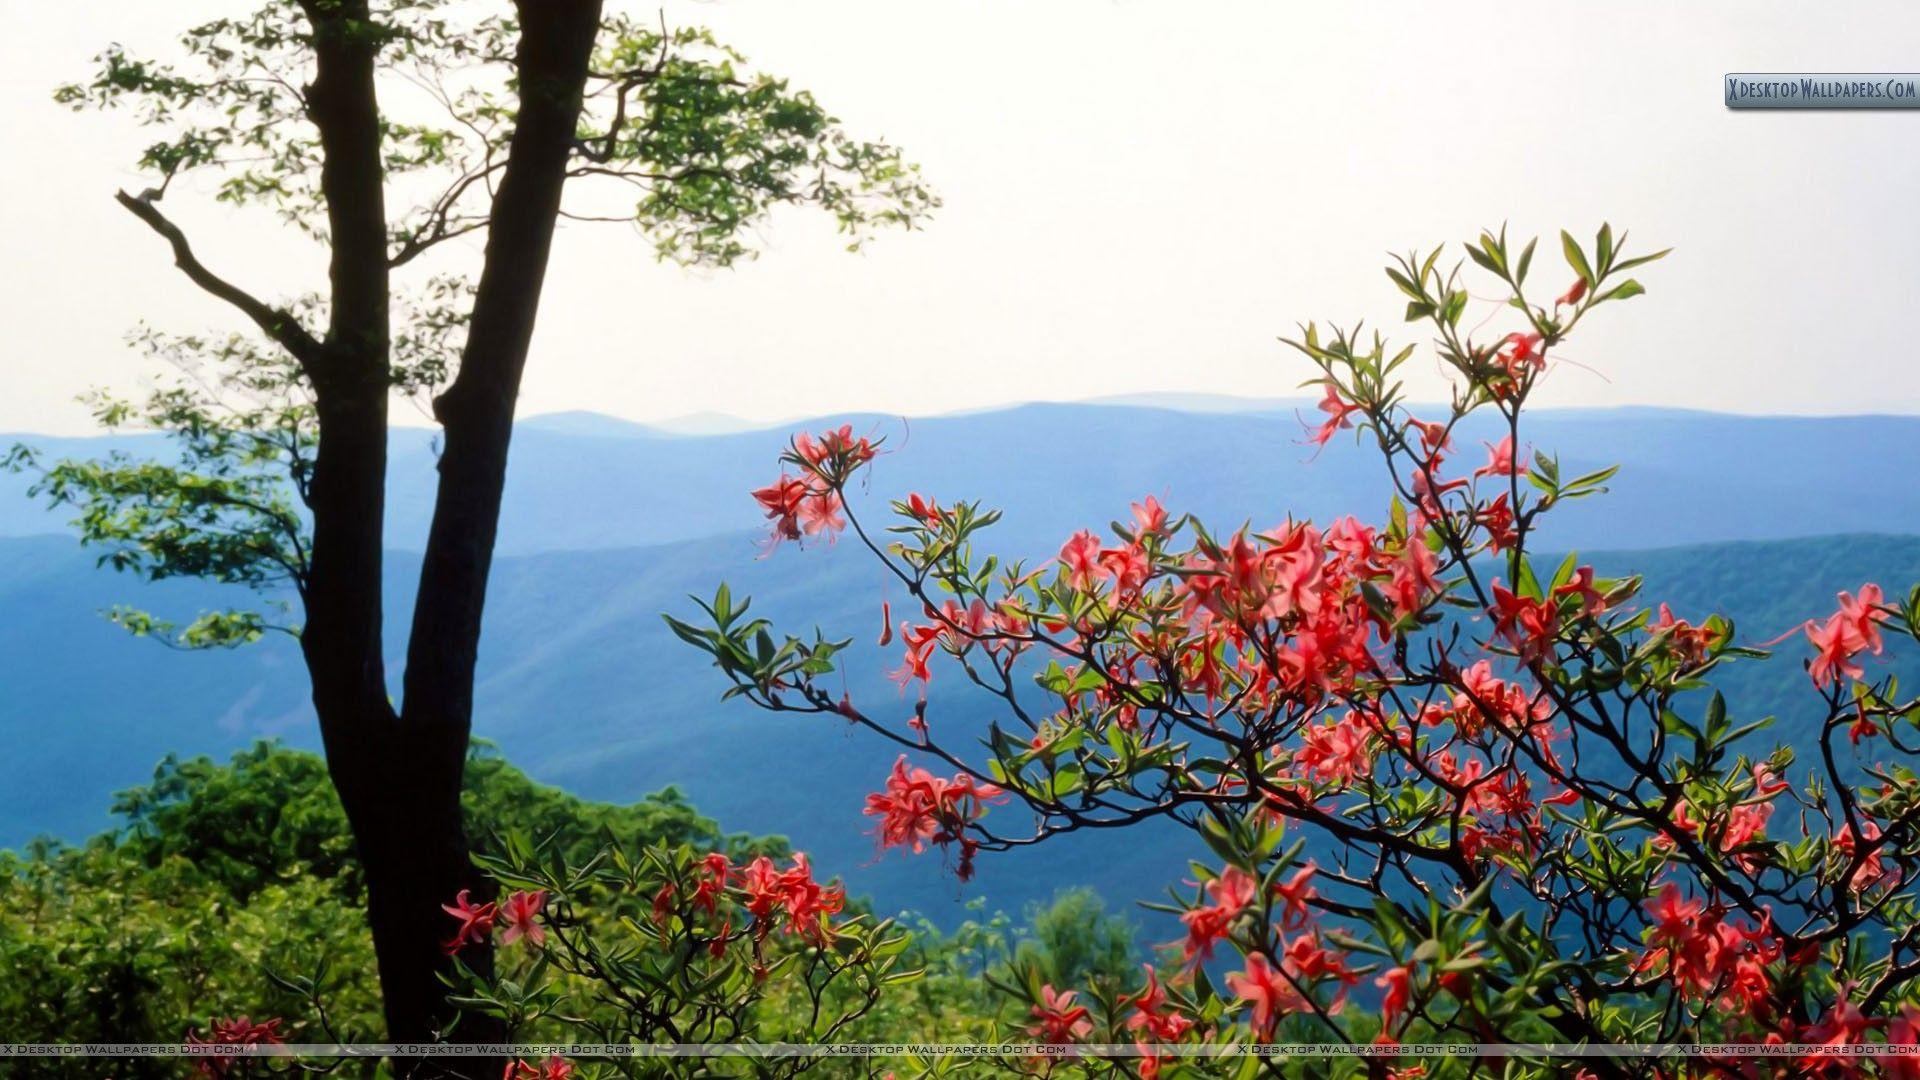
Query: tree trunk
[
  {"x": 399, "y": 774},
  {"x": 556, "y": 39},
  {"x": 423, "y": 859},
  {"x": 400, "y": 788}
]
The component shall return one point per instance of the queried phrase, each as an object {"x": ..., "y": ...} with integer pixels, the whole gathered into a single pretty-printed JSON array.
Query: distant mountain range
[
  {"x": 606, "y": 527},
  {"x": 581, "y": 482}
]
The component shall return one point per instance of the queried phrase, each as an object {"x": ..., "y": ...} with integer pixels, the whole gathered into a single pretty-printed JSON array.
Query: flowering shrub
[
  {"x": 1450, "y": 793},
  {"x": 665, "y": 944}
]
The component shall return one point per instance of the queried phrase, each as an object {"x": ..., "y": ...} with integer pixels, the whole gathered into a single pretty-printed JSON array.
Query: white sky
[{"x": 1139, "y": 197}]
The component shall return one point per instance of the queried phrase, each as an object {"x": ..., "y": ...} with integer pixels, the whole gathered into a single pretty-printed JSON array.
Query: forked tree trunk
[{"x": 399, "y": 774}]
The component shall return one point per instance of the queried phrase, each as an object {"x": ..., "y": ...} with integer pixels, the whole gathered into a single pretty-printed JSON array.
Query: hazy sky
[{"x": 1139, "y": 197}]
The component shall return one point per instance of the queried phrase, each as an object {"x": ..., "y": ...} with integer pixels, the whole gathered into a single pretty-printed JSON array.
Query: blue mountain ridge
[{"x": 1685, "y": 477}]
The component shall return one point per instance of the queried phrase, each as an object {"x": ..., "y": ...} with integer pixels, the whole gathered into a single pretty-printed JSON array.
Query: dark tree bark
[{"x": 399, "y": 773}]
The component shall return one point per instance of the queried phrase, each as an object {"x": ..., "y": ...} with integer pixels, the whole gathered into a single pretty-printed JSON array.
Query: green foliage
[
  {"x": 230, "y": 889},
  {"x": 698, "y": 147},
  {"x": 223, "y": 507},
  {"x": 266, "y": 817},
  {"x": 1075, "y": 940}
]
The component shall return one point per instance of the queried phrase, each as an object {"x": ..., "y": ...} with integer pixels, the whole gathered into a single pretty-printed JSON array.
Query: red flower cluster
[
  {"x": 476, "y": 921},
  {"x": 806, "y": 903},
  {"x": 1253, "y": 580},
  {"x": 1519, "y": 354},
  {"x": 789, "y": 898},
  {"x": 835, "y": 452},
  {"x": 1525, "y": 624},
  {"x": 1305, "y": 963},
  {"x": 1306, "y": 677},
  {"x": 1228, "y": 895},
  {"x": 1743, "y": 823},
  {"x": 1847, "y": 633},
  {"x": 1276, "y": 992},
  {"x": 1337, "y": 753},
  {"x": 710, "y": 885},
  {"x": 1704, "y": 953},
  {"x": 520, "y": 918},
  {"x": 1154, "y": 1021},
  {"x": 237, "y": 1031},
  {"x": 809, "y": 504},
  {"x": 1872, "y": 868},
  {"x": 1500, "y": 460},
  {"x": 1088, "y": 564},
  {"x": 1689, "y": 643},
  {"x": 798, "y": 508},
  {"x": 517, "y": 918},
  {"x": 1483, "y": 698},
  {"x": 918, "y": 808},
  {"x": 1057, "y": 1020},
  {"x": 1339, "y": 412},
  {"x": 554, "y": 1068}
]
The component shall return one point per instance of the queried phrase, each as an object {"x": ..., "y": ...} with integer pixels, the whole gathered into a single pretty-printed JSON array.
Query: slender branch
[{"x": 279, "y": 325}]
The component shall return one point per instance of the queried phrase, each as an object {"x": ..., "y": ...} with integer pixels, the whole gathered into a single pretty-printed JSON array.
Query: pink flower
[
  {"x": 1413, "y": 577},
  {"x": 805, "y": 902},
  {"x": 1525, "y": 624},
  {"x": 1230, "y": 894},
  {"x": 782, "y": 500},
  {"x": 1573, "y": 294},
  {"x": 834, "y": 449},
  {"x": 238, "y": 1031},
  {"x": 920, "y": 642},
  {"x": 820, "y": 513},
  {"x": 1903, "y": 1030},
  {"x": 1844, "y": 1025},
  {"x": 1058, "y": 1020},
  {"x": 1766, "y": 783},
  {"x": 1520, "y": 352},
  {"x": 554, "y": 1068},
  {"x": 1500, "y": 461},
  {"x": 1338, "y": 409},
  {"x": 1707, "y": 955},
  {"x": 1592, "y": 602},
  {"x": 719, "y": 869},
  {"x": 924, "y": 510},
  {"x": 1081, "y": 557},
  {"x": 1149, "y": 517},
  {"x": 1690, "y": 643},
  {"x": 1496, "y": 519},
  {"x": 520, "y": 918},
  {"x": 918, "y": 808},
  {"x": 1847, "y": 633},
  {"x": 1152, "y": 1013},
  {"x": 1434, "y": 439},
  {"x": 1129, "y": 567},
  {"x": 1673, "y": 915},
  {"x": 1269, "y": 991},
  {"x": 1398, "y": 983},
  {"x": 476, "y": 922},
  {"x": 1336, "y": 753},
  {"x": 1294, "y": 893},
  {"x": 1871, "y": 868}
]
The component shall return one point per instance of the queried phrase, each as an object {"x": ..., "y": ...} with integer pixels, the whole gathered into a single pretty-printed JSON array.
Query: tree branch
[{"x": 279, "y": 325}]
